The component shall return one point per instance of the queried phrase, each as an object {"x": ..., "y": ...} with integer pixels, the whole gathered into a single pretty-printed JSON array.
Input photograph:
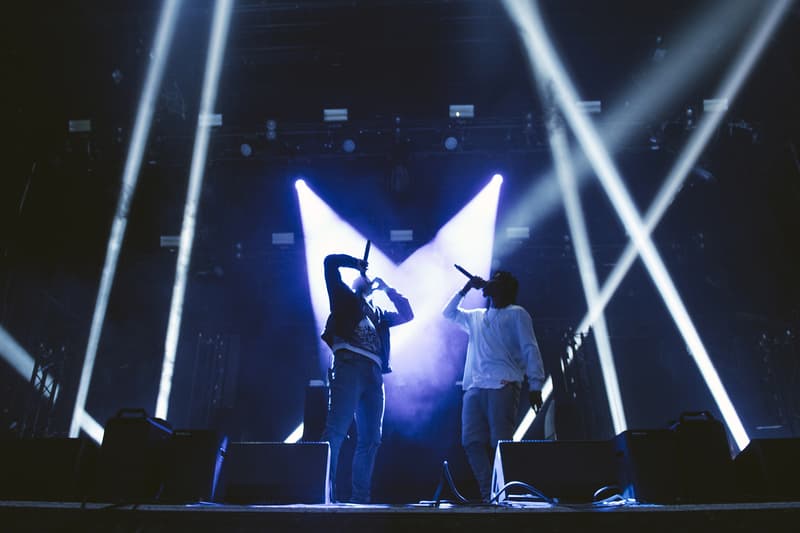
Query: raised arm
[
  {"x": 452, "y": 311},
  {"x": 404, "y": 313},
  {"x": 333, "y": 278}
]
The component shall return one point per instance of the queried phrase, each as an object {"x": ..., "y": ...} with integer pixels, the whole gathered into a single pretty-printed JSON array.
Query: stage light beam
[
  {"x": 130, "y": 176},
  {"x": 729, "y": 88},
  {"x": 547, "y": 68},
  {"x": 580, "y": 237},
  {"x": 20, "y": 360},
  {"x": 426, "y": 356},
  {"x": 216, "y": 51},
  {"x": 662, "y": 88}
]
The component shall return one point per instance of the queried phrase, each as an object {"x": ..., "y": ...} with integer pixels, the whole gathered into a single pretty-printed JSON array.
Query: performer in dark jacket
[{"x": 358, "y": 334}]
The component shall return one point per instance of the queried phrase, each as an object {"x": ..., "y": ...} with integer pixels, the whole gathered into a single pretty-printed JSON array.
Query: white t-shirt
[{"x": 502, "y": 346}]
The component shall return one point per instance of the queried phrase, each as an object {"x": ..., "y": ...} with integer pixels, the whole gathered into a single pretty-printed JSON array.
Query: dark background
[{"x": 728, "y": 240}]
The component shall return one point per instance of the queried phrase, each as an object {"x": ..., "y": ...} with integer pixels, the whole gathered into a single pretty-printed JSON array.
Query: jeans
[
  {"x": 487, "y": 416},
  {"x": 356, "y": 388}
]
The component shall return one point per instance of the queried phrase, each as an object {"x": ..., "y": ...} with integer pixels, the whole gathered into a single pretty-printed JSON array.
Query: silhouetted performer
[
  {"x": 501, "y": 353},
  {"x": 358, "y": 334}
]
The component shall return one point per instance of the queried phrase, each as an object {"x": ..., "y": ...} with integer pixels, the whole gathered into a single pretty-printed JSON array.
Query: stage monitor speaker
[
  {"x": 47, "y": 469},
  {"x": 194, "y": 461},
  {"x": 277, "y": 473},
  {"x": 688, "y": 463},
  {"x": 315, "y": 411},
  {"x": 705, "y": 467},
  {"x": 769, "y": 470},
  {"x": 133, "y": 458},
  {"x": 569, "y": 471},
  {"x": 647, "y": 465}
]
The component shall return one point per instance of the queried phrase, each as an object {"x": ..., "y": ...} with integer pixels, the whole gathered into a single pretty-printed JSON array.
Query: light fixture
[
  {"x": 272, "y": 130},
  {"x": 518, "y": 232},
  {"x": 401, "y": 235},
  {"x": 450, "y": 143},
  {"x": 715, "y": 105},
  {"x": 334, "y": 115},
  {"x": 590, "y": 106},
  {"x": 283, "y": 238},
  {"x": 462, "y": 111},
  {"x": 170, "y": 241},
  {"x": 80, "y": 126},
  {"x": 349, "y": 146},
  {"x": 210, "y": 119}
]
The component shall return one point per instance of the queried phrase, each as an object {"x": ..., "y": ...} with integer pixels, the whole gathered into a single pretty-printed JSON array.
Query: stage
[
  {"x": 543, "y": 518},
  {"x": 182, "y": 175}
]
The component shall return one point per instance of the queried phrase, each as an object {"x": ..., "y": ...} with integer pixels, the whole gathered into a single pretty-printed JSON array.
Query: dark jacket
[{"x": 348, "y": 308}]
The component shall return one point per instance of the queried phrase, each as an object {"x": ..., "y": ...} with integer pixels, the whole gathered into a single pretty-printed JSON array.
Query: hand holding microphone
[
  {"x": 475, "y": 282},
  {"x": 362, "y": 263}
]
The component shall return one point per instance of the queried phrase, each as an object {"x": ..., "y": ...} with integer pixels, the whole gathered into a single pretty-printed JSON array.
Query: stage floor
[{"x": 419, "y": 518}]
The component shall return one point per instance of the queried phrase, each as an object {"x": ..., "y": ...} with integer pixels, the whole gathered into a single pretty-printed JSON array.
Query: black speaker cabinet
[
  {"x": 769, "y": 470},
  {"x": 195, "y": 459},
  {"x": 133, "y": 458},
  {"x": 315, "y": 411},
  {"x": 277, "y": 473},
  {"x": 570, "y": 471},
  {"x": 689, "y": 463},
  {"x": 705, "y": 466},
  {"x": 47, "y": 469},
  {"x": 647, "y": 465}
]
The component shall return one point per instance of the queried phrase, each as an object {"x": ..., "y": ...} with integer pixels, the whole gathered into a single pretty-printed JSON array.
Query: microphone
[
  {"x": 463, "y": 271},
  {"x": 366, "y": 253},
  {"x": 470, "y": 276}
]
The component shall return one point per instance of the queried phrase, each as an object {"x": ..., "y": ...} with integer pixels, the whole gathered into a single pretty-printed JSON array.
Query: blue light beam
[
  {"x": 547, "y": 67},
  {"x": 130, "y": 177},
  {"x": 697, "y": 142},
  {"x": 657, "y": 91},
  {"x": 427, "y": 353},
  {"x": 216, "y": 51},
  {"x": 580, "y": 237}
]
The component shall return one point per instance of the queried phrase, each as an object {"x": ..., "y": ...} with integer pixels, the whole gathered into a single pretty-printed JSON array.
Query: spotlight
[
  {"x": 246, "y": 150},
  {"x": 349, "y": 146},
  {"x": 497, "y": 178},
  {"x": 300, "y": 183},
  {"x": 272, "y": 130},
  {"x": 451, "y": 143}
]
